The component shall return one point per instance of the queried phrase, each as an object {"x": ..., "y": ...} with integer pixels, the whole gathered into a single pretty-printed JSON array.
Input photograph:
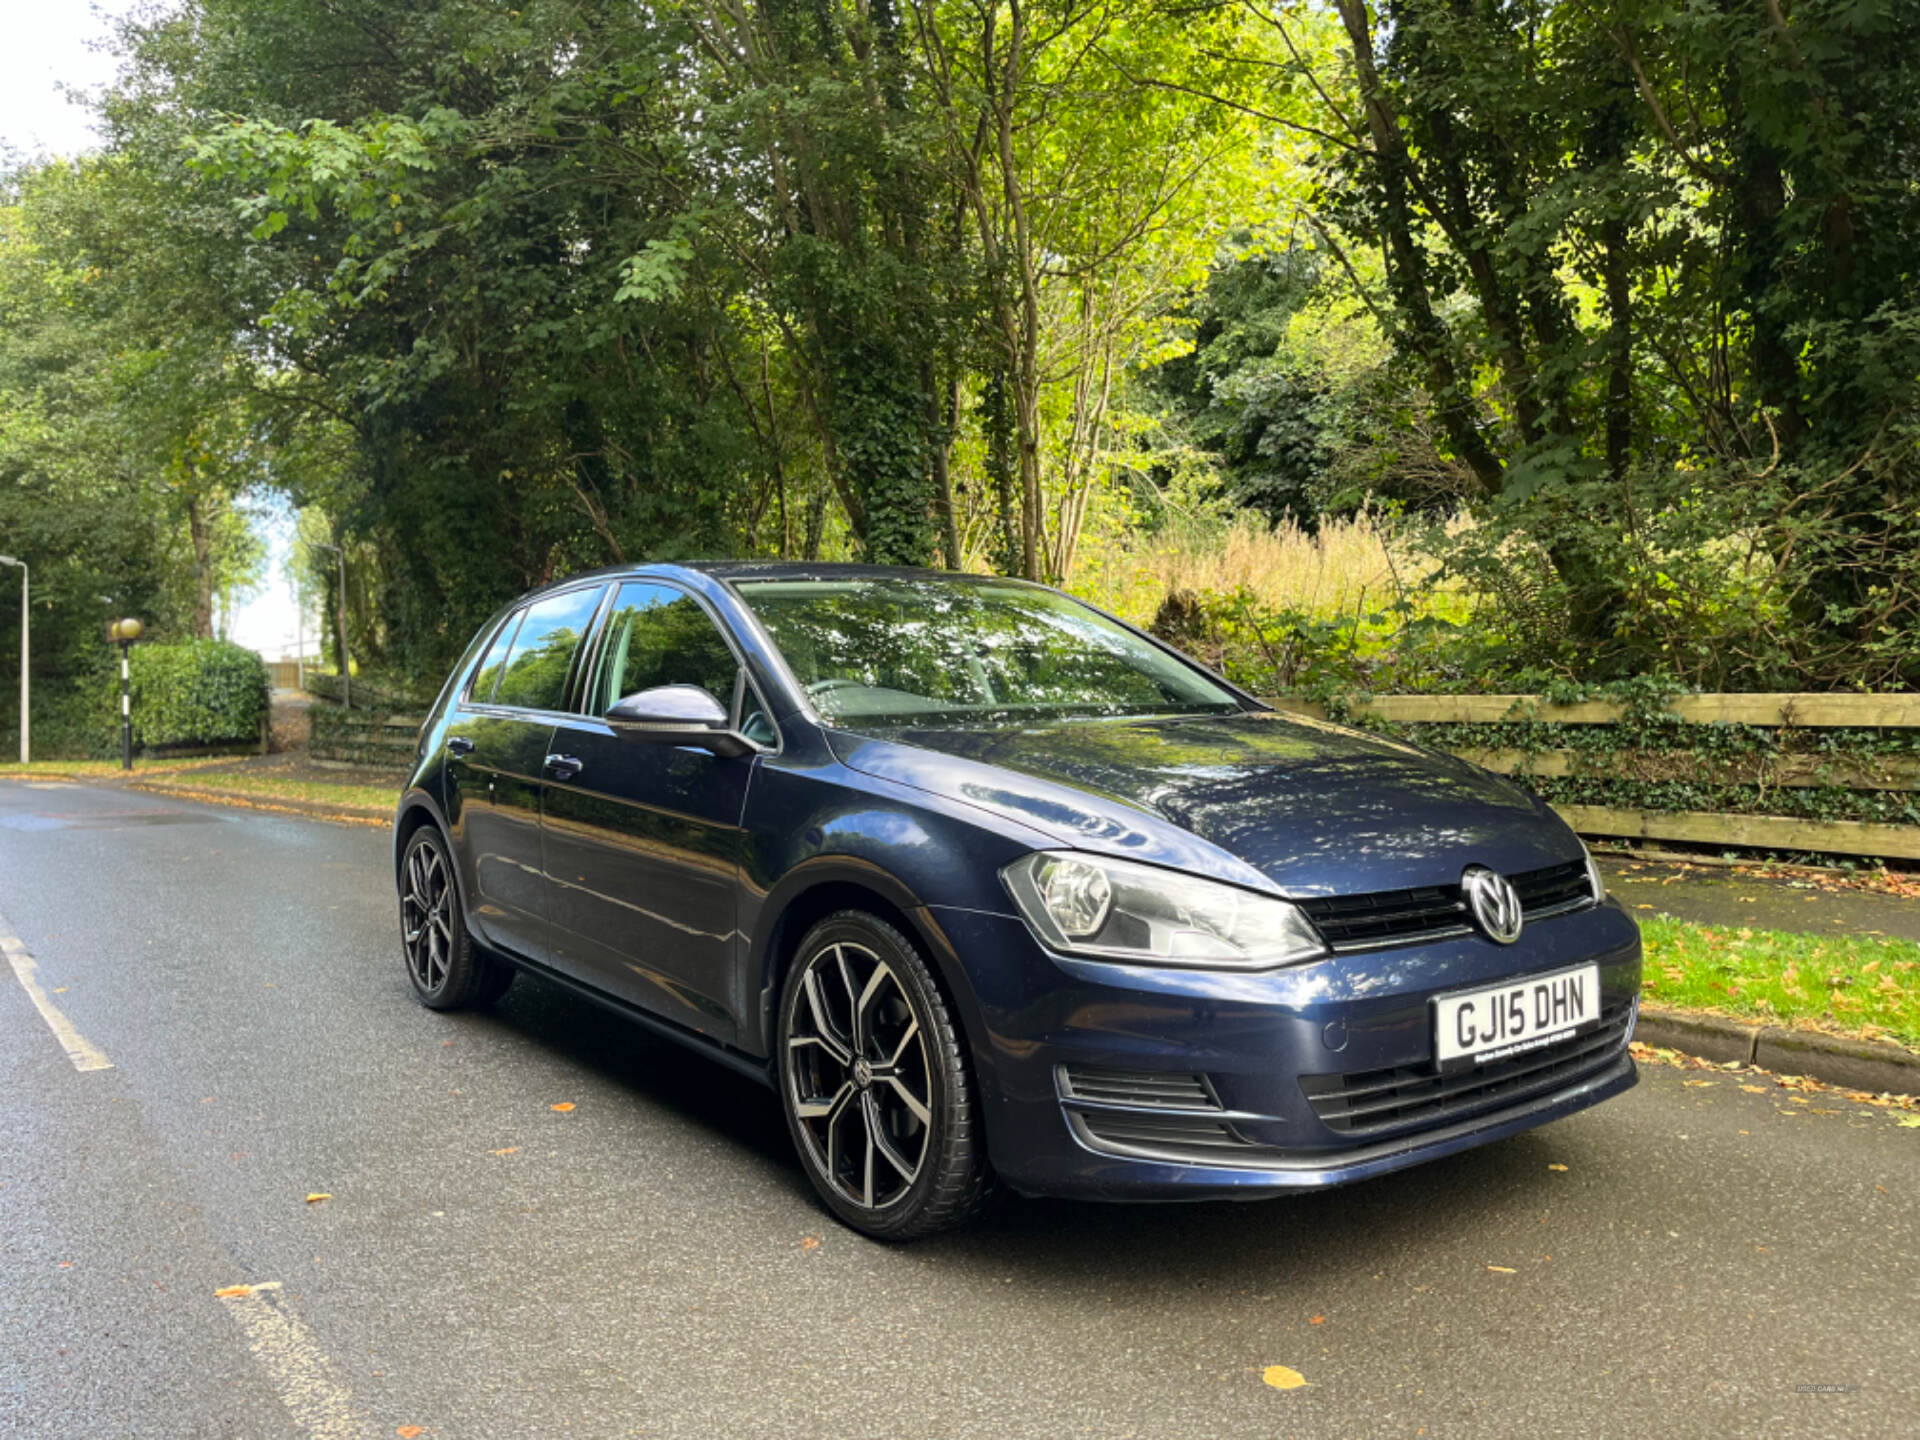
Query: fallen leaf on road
[
  {"x": 1556, "y": 1166},
  {"x": 317, "y": 1196},
  {"x": 1503, "y": 1270},
  {"x": 228, "y": 1292},
  {"x": 809, "y": 1242},
  {"x": 1698, "y": 1084},
  {"x": 510, "y": 1150},
  {"x": 1281, "y": 1378},
  {"x": 1754, "y": 1089},
  {"x": 1316, "y": 1320},
  {"x": 1909, "y": 1122},
  {"x": 562, "y": 1107},
  {"x": 407, "y": 1432}
]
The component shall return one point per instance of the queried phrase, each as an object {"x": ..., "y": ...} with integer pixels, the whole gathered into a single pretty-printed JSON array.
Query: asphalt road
[{"x": 652, "y": 1263}]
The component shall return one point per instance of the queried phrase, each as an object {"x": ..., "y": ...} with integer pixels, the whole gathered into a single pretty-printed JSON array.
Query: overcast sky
[{"x": 46, "y": 45}]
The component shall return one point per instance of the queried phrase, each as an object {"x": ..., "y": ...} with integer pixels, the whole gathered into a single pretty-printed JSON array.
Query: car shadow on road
[
  {"x": 653, "y": 1069},
  {"x": 1291, "y": 1239}
]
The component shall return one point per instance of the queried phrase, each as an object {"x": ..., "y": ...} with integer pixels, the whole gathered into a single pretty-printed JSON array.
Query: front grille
[
  {"x": 1372, "y": 1100},
  {"x": 1161, "y": 1089},
  {"x": 1352, "y": 922},
  {"x": 1437, "y": 912},
  {"x": 1554, "y": 889}
]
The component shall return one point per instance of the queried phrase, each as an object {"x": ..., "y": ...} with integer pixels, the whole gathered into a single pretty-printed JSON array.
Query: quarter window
[
  {"x": 489, "y": 673},
  {"x": 535, "y": 676}
]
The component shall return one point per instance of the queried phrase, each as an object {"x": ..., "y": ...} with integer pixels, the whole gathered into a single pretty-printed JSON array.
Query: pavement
[
  {"x": 1710, "y": 1261},
  {"x": 1807, "y": 902}
]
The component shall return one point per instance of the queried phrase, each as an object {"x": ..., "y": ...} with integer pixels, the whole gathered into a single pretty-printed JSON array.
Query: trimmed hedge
[{"x": 203, "y": 692}]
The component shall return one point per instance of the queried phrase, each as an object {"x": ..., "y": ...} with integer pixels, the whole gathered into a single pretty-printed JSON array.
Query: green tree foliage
[
  {"x": 128, "y": 436},
  {"x": 1654, "y": 265},
  {"x": 494, "y": 294}
]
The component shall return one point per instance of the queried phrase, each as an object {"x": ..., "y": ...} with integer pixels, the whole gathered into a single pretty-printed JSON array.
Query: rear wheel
[
  {"x": 875, "y": 1083},
  {"x": 447, "y": 969}
]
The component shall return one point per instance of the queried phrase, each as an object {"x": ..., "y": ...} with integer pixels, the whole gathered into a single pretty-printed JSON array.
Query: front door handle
[
  {"x": 564, "y": 767},
  {"x": 459, "y": 745}
]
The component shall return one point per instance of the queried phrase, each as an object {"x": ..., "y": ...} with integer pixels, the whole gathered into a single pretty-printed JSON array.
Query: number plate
[{"x": 1474, "y": 1027}]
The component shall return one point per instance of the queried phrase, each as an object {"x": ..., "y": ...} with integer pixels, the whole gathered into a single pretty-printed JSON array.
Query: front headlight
[
  {"x": 1117, "y": 910},
  {"x": 1594, "y": 878}
]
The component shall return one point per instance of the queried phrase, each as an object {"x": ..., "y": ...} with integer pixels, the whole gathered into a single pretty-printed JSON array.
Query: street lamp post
[
  {"x": 26, "y": 745},
  {"x": 346, "y": 665},
  {"x": 124, "y": 633}
]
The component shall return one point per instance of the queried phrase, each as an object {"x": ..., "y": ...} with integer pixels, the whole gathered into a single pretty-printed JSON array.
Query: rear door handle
[
  {"x": 564, "y": 767},
  {"x": 459, "y": 745}
]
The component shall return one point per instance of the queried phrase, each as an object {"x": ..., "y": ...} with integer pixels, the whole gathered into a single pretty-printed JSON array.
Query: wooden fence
[
  {"x": 354, "y": 737},
  {"x": 1763, "y": 832}
]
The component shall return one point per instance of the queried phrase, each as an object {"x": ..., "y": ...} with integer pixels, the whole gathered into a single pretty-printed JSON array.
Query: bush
[{"x": 203, "y": 692}]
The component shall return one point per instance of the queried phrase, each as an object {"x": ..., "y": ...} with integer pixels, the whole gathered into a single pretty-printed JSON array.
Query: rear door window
[{"x": 541, "y": 658}]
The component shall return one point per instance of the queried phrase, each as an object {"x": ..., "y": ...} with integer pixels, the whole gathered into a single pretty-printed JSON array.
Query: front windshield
[{"x": 961, "y": 651}]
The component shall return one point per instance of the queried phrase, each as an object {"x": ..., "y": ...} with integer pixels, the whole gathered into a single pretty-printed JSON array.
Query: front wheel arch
[{"x": 819, "y": 888}]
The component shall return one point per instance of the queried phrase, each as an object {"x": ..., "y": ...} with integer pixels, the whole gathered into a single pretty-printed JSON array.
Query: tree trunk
[
  {"x": 200, "y": 532},
  {"x": 1026, "y": 336},
  {"x": 996, "y": 421},
  {"x": 1422, "y": 329},
  {"x": 942, "y": 449}
]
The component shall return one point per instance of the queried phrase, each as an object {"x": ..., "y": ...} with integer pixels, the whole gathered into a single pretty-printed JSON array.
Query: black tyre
[
  {"x": 447, "y": 969},
  {"x": 875, "y": 1083}
]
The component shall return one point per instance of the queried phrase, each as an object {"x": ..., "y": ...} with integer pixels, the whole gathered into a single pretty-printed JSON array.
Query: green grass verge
[
  {"x": 373, "y": 798},
  {"x": 1861, "y": 983}
]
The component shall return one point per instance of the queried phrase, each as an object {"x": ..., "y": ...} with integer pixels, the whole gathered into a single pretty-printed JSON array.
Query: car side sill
[{"x": 738, "y": 1061}]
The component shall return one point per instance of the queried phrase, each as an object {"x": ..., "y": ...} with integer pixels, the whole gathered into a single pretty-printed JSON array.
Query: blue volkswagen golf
[{"x": 996, "y": 891}]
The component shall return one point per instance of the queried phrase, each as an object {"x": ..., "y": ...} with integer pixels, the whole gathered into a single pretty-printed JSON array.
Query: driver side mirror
[{"x": 678, "y": 715}]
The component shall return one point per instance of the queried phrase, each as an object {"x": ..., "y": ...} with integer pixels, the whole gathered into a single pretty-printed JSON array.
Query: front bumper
[{"x": 1127, "y": 1082}]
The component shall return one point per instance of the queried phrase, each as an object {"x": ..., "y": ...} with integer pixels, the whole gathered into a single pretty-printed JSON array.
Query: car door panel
[
  {"x": 642, "y": 845},
  {"x": 643, "y": 860},
  {"x": 493, "y": 788},
  {"x": 497, "y": 748}
]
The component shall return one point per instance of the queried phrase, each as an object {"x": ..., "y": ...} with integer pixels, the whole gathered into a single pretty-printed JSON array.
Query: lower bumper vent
[{"x": 1160, "y": 1089}]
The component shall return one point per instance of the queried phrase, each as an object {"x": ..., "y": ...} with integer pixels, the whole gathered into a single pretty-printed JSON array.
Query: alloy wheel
[
  {"x": 859, "y": 1075},
  {"x": 426, "y": 917}
]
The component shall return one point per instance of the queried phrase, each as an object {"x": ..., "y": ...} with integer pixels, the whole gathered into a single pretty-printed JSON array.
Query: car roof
[{"x": 730, "y": 572}]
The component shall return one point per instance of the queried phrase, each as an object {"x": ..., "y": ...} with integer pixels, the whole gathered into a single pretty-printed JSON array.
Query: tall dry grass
[{"x": 1350, "y": 566}]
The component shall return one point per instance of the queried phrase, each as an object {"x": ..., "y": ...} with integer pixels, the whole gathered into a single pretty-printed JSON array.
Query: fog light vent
[
  {"x": 1180, "y": 1136},
  {"x": 1153, "y": 1089}
]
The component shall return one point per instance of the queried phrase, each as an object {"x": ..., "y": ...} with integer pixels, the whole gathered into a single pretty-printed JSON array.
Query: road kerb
[{"x": 1832, "y": 1059}]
